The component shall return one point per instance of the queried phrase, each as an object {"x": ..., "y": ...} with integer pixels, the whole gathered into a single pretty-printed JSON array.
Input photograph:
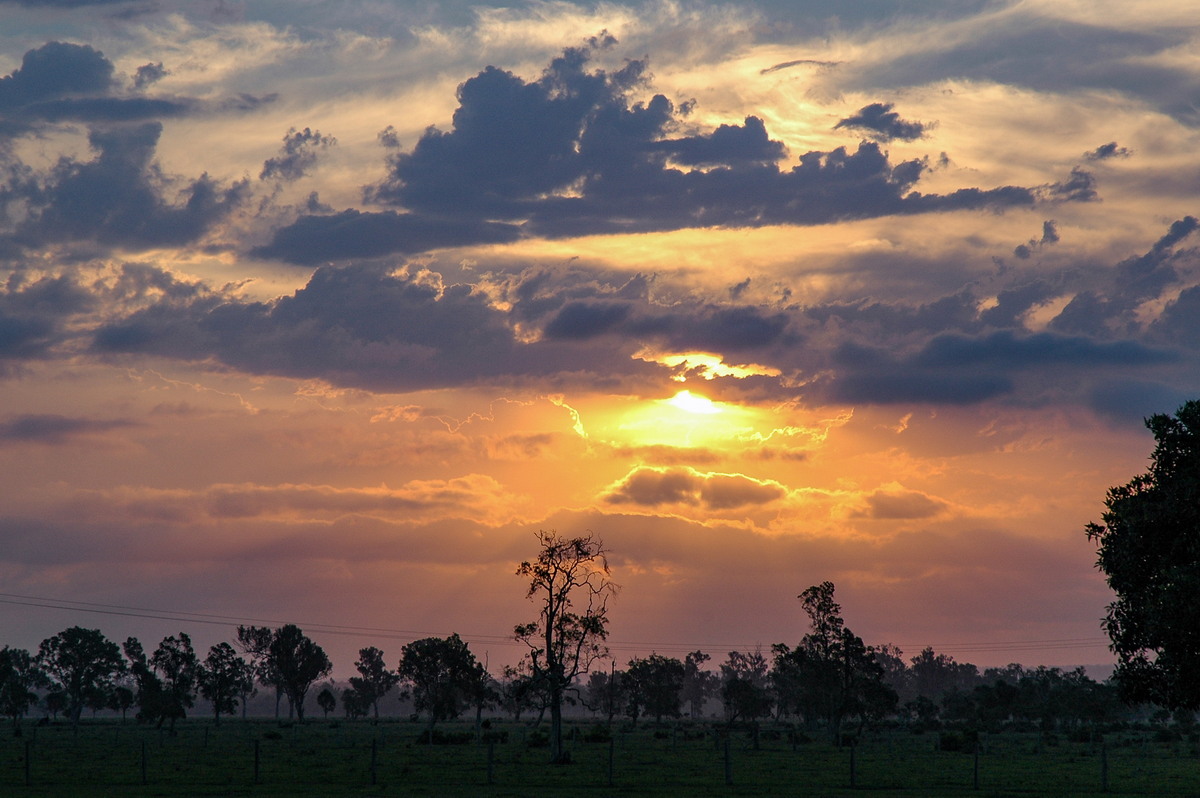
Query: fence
[{"x": 322, "y": 758}]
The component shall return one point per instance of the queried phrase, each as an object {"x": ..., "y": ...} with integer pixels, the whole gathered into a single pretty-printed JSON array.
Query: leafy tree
[
  {"x": 655, "y": 686},
  {"x": 56, "y": 701},
  {"x": 442, "y": 673},
  {"x": 374, "y": 680},
  {"x": 297, "y": 662},
  {"x": 1148, "y": 546},
  {"x": 520, "y": 692},
  {"x": 699, "y": 684},
  {"x": 564, "y": 642},
  {"x": 148, "y": 693},
  {"x": 326, "y": 701},
  {"x": 224, "y": 678},
  {"x": 353, "y": 704},
  {"x": 19, "y": 677},
  {"x": 934, "y": 675},
  {"x": 255, "y": 643},
  {"x": 832, "y": 674},
  {"x": 178, "y": 667},
  {"x": 744, "y": 690},
  {"x": 606, "y": 693},
  {"x": 77, "y": 661},
  {"x": 121, "y": 699}
]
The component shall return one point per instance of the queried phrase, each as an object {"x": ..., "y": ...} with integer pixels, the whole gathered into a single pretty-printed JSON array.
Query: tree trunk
[{"x": 556, "y": 748}]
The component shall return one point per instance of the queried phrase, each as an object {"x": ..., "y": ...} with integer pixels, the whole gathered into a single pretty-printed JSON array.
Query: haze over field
[{"x": 316, "y": 311}]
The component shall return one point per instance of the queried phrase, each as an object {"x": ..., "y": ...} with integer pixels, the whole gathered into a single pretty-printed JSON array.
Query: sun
[{"x": 693, "y": 403}]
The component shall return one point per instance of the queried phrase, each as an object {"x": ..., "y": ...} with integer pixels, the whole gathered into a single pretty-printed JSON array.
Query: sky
[{"x": 316, "y": 311}]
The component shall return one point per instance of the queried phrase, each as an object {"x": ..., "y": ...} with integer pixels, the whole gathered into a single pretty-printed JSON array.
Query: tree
[
  {"x": 352, "y": 704},
  {"x": 224, "y": 678},
  {"x": 374, "y": 680},
  {"x": 1148, "y": 547},
  {"x": 326, "y": 700},
  {"x": 832, "y": 674},
  {"x": 699, "y": 684},
  {"x": 255, "y": 642},
  {"x": 744, "y": 690},
  {"x": 297, "y": 662},
  {"x": 442, "y": 673},
  {"x": 564, "y": 642},
  {"x": 655, "y": 686},
  {"x": 19, "y": 677},
  {"x": 121, "y": 699},
  {"x": 78, "y": 661},
  {"x": 605, "y": 693},
  {"x": 177, "y": 666}
]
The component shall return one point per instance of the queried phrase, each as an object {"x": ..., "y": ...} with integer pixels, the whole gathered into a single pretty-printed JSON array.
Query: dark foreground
[{"x": 327, "y": 758}]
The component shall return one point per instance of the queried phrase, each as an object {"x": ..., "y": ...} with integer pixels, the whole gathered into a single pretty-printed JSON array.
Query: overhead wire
[{"x": 408, "y": 635}]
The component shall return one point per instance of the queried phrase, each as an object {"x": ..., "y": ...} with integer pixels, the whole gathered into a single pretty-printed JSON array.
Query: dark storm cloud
[
  {"x": 34, "y": 316},
  {"x": 880, "y": 122},
  {"x": 118, "y": 199},
  {"x": 569, "y": 154},
  {"x": 53, "y": 429}
]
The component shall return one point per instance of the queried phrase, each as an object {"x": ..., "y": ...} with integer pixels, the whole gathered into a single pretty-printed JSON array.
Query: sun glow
[{"x": 693, "y": 403}]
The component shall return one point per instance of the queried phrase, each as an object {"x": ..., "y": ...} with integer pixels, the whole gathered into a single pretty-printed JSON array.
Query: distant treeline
[{"x": 831, "y": 681}]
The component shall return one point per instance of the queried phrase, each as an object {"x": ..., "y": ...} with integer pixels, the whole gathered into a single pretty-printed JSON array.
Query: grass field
[{"x": 322, "y": 758}]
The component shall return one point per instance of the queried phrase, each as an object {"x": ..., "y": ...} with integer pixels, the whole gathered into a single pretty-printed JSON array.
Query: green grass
[{"x": 320, "y": 758}]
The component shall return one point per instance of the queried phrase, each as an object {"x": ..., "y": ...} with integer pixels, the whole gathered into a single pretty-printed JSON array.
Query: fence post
[
  {"x": 256, "y": 760},
  {"x": 728, "y": 764},
  {"x": 975, "y": 775},
  {"x": 1103, "y": 767},
  {"x": 853, "y": 766}
]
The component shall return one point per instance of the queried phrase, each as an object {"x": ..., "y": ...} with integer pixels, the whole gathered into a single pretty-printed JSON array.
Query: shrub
[{"x": 598, "y": 733}]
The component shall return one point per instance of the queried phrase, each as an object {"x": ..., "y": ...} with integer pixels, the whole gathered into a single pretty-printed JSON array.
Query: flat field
[{"x": 327, "y": 758}]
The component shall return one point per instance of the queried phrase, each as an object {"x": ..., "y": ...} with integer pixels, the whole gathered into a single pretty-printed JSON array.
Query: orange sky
[{"x": 316, "y": 312}]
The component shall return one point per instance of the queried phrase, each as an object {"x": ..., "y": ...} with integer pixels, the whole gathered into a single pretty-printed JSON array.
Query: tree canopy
[{"x": 1148, "y": 546}]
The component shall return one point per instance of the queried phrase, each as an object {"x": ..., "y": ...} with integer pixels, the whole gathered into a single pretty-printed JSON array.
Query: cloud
[
  {"x": 1106, "y": 151},
  {"x": 1049, "y": 236},
  {"x": 897, "y": 504},
  {"x": 648, "y": 486},
  {"x": 53, "y": 429},
  {"x": 119, "y": 198},
  {"x": 297, "y": 156},
  {"x": 572, "y": 153},
  {"x": 879, "y": 121}
]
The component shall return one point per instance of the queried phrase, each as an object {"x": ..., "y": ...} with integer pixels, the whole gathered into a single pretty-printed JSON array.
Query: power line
[{"x": 1011, "y": 646}]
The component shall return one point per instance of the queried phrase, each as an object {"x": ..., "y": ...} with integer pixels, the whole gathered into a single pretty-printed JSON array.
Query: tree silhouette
[
  {"x": 19, "y": 677},
  {"x": 77, "y": 661},
  {"x": 563, "y": 642},
  {"x": 443, "y": 674},
  {"x": 298, "y": 662},
  {"x": 655, "y": 686},
  {"x": 1148, "y": 546},
  {"x": 374, "y": 680},
  {"x": 223, "y": 678},
  {"x": 326, "y": 700}
]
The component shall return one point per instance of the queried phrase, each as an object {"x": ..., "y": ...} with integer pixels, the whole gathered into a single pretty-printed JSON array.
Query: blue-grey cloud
[
  {"x": 571, "y": 154},
  {"x": 297, "y": 155},
  {"x": 53, "y": 429},
  {"x": 1106, "y": 151},
  {"x": 880, "y": 122}
]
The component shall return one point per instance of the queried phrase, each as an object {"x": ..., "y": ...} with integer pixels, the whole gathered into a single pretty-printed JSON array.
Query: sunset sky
[{"x": 315, "y": 311}]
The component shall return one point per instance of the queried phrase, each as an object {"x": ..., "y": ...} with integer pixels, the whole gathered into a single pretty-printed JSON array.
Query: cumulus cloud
[
  {"x": 572, "y": 154},
  {"x": 648, "y": 486},
  {"x": 897, "y": 504}
]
